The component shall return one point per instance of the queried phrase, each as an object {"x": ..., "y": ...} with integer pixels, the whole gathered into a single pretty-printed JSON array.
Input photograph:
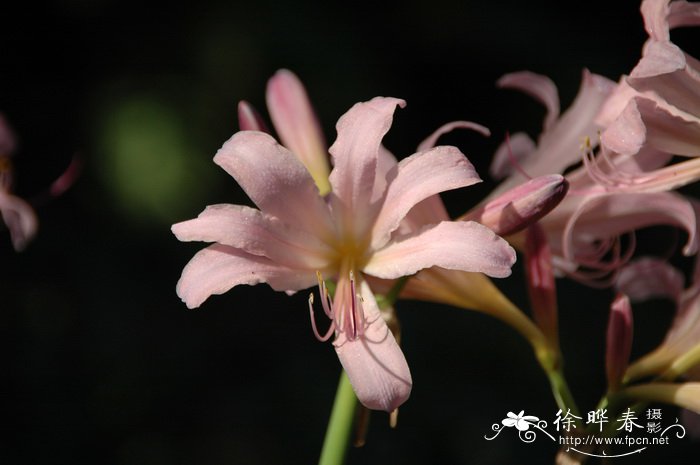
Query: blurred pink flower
[{"x": 627, "y": 183}]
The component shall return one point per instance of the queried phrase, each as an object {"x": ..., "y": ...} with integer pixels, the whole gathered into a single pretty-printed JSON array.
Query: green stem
[
  {"x": 560, "y": 389},
  {"x": 335, "y": 444}
]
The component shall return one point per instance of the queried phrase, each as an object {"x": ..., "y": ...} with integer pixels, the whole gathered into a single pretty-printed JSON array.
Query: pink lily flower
[
  {"x": 18, "y": 215},
  {"x": 347, "y": 234}
]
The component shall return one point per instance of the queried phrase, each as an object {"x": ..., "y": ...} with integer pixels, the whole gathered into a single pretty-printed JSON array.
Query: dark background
[{"x": 104, "y": 364}]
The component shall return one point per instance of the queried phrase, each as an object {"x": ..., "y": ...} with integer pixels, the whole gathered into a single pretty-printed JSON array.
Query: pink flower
[
  {"x": 610, "y": 196},
  {"x": 18, "y": 215},
  {"x": 347, "y": 234}
]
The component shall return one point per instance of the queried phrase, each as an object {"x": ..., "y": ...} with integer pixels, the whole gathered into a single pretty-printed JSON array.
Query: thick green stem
[{"x": 335, "y": 444}]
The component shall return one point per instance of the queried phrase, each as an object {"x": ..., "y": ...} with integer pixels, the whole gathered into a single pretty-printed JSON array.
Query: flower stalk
[{"x": 335, "y": 444}]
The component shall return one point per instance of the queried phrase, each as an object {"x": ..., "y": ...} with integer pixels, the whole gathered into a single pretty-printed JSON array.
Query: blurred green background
[{"x": 105, "y": 365}]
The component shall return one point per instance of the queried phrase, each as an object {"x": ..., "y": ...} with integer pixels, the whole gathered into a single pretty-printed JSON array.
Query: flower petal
[
  {"x": 463, "y": 245},
  {"x": 297, "y": 125},
  {"x": 510, "y": 153},
  {"x": 601, "y": 217},
  {"x": 539, "y": 87},
  {"x": 415, "y": 179},
  {"x": 19, "y": 218},
  {"x": 257, "y": 234},
  {"x": 249, "y": 119},
  {"x": 374, "y": 362},
  {"x": 666, "y": 70},
  {"x": 218, "y": 268},
  {"x": 655, "y": 14},
  {"x": 560, "y": 146},
  {"x": 275, "y": 180},
  {"x": 648, "y": 278},
  {"x": 432, "y": 139},
  {"x": 355, "y": 151}
]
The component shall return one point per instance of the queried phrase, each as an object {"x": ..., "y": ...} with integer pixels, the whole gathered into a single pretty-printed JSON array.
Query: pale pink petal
[
  {"x": 684, "y": 14},
  {"x": 416, "y": 178},
  {"x": 561, "y": 146},
  {"x": 510, "y": 154},
  {"x": 429, "y": 211},
  {"x": 674, "y": 133},
  {"x": 655, "y": 14},
  {"x": 20, "y": 219},
  {"x": 355, "y": 151},
  {"x": 218, "y": 268},
  {"x": 608, "y": 216},
  {"x": 649, "y": 278},
  {"x": 627, "y": 134},
  {"x": 657, "y": 123},
  {"x": 249, "y": 119},
  {"x": 296, "y": 123},
  {"x": 374, "y": 362},
  {"x": 539, "y": 87},
  {"x": 256, "y": 233},
  {"x": 616, "y": 103},
  {"x": 463, "y": 245},
  {"x": 386, "y": 161},
  {"x": 432, "y": 139},
  {"x": 665, "y": 70},
  {"x": 276, "y": 181}
]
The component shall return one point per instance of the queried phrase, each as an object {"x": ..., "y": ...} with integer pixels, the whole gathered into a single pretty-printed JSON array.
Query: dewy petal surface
[
  {"x": 463, "y": 245},
  {"x": 374, "y": 363},
  {"x": 275, "y": 180},
  {"x": 415, "y": 179},
  {"x": 218, "y": 268},
  {"x": 256, "y": 233}
]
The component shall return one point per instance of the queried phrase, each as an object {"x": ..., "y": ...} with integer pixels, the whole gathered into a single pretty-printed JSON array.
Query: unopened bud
[
  {"x": 519, "y": 207},
  {"x": 540, "y": 283},
  {"x": 619, "y": 340}
]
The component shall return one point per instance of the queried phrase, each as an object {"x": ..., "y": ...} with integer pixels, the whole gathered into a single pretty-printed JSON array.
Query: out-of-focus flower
[
  {"x": 645, "y": 120},
  {"x": 18, "y": 215},
  {"x": 679, "y": 353},
  {"x": 348, "y": 234}
]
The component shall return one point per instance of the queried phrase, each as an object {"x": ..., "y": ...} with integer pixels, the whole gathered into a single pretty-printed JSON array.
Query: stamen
[
  {"x": 353, "y": 299},
  {"x": 357, "y": 317},
  {"x": 331, "y": 329}
]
